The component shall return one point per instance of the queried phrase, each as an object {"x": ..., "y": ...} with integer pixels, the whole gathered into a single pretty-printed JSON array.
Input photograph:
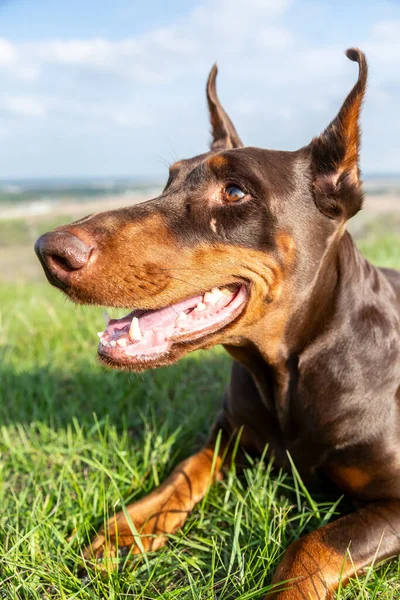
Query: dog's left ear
[
  {"x": 335, "y": 153},
  {"x": 224, "y": 135}
]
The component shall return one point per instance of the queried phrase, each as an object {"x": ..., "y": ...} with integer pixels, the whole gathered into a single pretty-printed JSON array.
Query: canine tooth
[
  {"x": 100, "y": 334},
  {"x": 113, "y": 343},
  {"x": 122, "y": 342},
  {"x": 106, "y": 318},
  {"x": 211, "y": 298},
  {"x": 201, "y": 306},
  {"x": 134, "y": 330},
  {"x": 181, "y": 317}
]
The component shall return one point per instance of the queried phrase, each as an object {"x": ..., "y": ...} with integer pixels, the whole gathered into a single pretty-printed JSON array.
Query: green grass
[{"x": 77, "y": 442}]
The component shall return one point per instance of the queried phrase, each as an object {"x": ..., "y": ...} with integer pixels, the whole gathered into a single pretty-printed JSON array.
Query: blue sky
[{"x": 102, "y": 88}]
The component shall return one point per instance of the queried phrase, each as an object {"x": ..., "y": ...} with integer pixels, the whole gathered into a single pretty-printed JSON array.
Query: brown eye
[{"x": 233, "y": 193}]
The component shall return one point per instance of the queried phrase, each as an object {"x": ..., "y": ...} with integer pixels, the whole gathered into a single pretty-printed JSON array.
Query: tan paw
[{"x": 134, "y": 535}]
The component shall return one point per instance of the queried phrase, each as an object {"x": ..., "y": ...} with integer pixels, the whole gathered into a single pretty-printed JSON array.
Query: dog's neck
[
  {"x": 273, "y": 357},
  {"x": 284, "y": 334}
]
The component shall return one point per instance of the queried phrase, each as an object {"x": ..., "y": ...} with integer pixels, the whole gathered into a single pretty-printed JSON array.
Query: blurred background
[{"x": 99, "y": 96}]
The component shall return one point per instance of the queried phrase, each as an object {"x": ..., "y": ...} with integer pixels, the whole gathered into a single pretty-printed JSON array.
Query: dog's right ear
[
  {"x": 223, "y": 131},
  {"x": 335, "y": 153}
]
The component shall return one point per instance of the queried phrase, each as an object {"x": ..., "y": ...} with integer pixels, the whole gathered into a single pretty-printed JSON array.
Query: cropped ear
[
  {"x": 335, "y": 153},
  {"x": 223, "y": 132}
]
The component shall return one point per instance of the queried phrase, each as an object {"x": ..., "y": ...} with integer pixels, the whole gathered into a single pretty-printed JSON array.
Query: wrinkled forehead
[{"x": 256, "y": 165}]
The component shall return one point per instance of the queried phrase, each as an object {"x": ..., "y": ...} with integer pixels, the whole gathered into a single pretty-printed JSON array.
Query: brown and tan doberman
[{"x": 248, "y": 248}]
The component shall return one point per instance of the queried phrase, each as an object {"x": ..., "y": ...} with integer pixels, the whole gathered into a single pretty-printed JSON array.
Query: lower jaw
[
  {"x": 174, "y": 353},
  {"x": 144, "y": 363}
]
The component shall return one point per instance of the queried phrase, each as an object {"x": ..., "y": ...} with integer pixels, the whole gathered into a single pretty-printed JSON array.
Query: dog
[{"x": 248, "y": 248}]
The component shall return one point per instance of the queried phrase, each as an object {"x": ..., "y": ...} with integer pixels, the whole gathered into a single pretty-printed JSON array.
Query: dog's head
[{"x": 226, "y": 253}]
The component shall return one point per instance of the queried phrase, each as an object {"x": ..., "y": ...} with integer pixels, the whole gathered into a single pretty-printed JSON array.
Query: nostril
[{"x": 61, "y": 263}]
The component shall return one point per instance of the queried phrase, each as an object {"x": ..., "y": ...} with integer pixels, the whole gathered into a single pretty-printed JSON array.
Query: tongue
[{"x": 166, "y": 316}]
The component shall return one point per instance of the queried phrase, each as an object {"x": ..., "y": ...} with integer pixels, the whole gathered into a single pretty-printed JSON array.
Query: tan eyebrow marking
[
  {"x": 176, "y": 165},
  {"x": 217, "y": 162}
]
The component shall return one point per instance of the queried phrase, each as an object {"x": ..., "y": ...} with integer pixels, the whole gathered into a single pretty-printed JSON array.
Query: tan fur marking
[
  {"x": 312, "y": 569},
  {"x": 351, "y": 133},
  {"x": 217, "y": 162},
  {"x": 286, "y": 245},
  {"x": 352, "y": 478},
  {"x": 134, "y": 263},
  {"x": 176, "y": 165}
]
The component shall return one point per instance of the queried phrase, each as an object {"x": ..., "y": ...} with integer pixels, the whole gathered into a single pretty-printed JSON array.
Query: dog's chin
[
  {"x": 155, "y": 338},
  {"x": 176, "y": 352}
]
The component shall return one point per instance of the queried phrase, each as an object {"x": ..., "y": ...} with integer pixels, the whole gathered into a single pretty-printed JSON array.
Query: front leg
[
  {"x": 165, "y": 509},
  {"x": 313, "y": 565}
]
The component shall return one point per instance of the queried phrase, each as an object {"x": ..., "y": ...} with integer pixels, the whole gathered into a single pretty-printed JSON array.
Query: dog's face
[{"x": 235, "y": 239}]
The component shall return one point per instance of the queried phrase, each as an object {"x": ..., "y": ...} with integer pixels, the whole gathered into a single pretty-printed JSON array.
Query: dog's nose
[{"x": 61, "y": 254}]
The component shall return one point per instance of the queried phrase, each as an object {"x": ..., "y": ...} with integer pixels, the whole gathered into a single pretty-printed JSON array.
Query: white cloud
[
  {"x": 387, "y": 30},
  {"x": 269, "y": 38},
  {"x": 96, "y": 52},
  {"x": 25, "y": 105},
  {"x": 17, "y": 63},
  {"x": 8, "y": 53},
  {"x": 128, "y": 118}
]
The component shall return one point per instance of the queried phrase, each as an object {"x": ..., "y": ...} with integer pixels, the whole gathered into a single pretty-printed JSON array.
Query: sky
[{"x": 117, "y": 87}]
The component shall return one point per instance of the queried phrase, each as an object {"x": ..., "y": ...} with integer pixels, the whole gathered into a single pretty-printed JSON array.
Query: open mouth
[{"x": 144, "y": 335}]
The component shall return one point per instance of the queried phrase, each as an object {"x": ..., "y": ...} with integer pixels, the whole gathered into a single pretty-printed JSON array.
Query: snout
[{"x": 62, "y": 255}]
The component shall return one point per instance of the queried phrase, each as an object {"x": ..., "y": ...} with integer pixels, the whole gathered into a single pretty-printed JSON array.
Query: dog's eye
[{"x": 233, "y": 193}]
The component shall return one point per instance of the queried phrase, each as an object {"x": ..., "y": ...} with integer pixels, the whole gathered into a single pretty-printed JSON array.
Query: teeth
[
  {"x": 201, "y": 306},
  {"x": 217, "y": 293},
  {"x": 226, "y": 292},
  {"x": 100, "y": 334},
  {"x": 113, "y": 343},
  {"x": 134, "y": 330},
  {"x": 211, "y": 298},
  {"x": 181, "y": 317},
  {"x": 106, "y": 318},
  {"x": 122, "y": 342}
]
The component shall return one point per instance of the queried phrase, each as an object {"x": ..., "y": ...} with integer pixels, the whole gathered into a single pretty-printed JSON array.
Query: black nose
[{"x": 61, "y": 254}]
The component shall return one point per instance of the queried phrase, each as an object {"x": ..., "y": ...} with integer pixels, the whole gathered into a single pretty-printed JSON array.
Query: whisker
[{"x": 165, "y": 162}]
